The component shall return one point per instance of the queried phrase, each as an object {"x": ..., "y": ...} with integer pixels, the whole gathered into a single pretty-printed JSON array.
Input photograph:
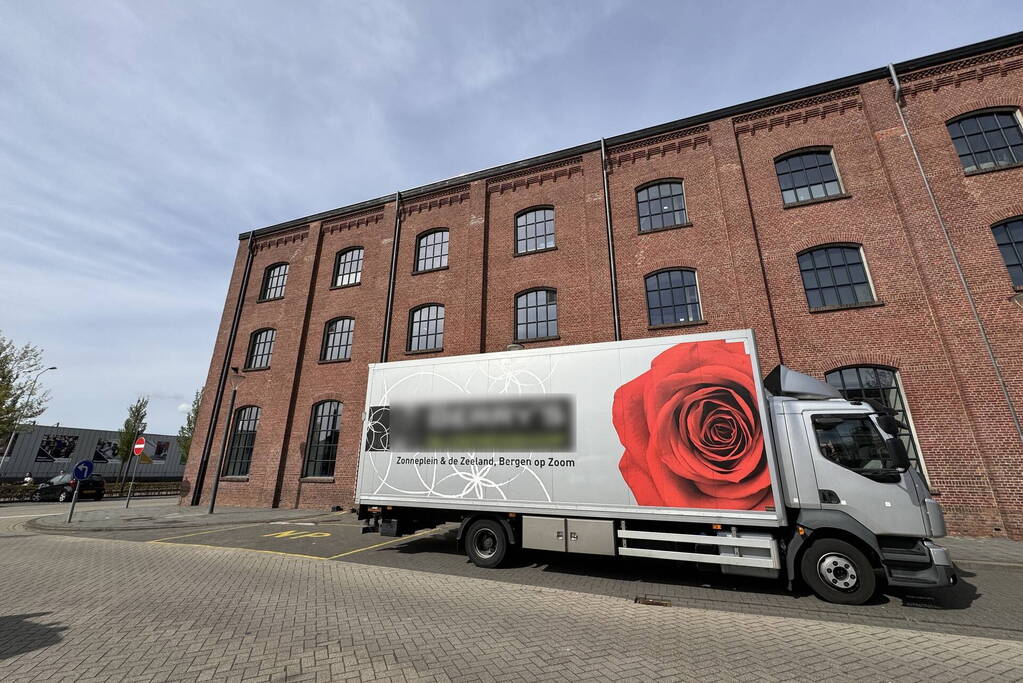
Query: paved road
[{"x": 215, "y": 605}]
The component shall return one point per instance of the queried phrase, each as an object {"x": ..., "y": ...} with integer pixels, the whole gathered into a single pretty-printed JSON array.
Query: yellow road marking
[
  {"x": 199, "y": 533},
  {"x": 251, "y": 550},
  {"x": 393, "y": 540}
]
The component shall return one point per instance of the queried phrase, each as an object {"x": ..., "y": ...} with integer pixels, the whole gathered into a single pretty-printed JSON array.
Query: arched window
[
  {"x": 661, "y": 205},
  {"x": 426, "y": 328},
  {"x": 243, "y": 438},
  {"x": 1009, "y": 238},
  {"x": 536, "y": 314},
  {"x": 321, "y": 448},
  {"x": 835, "y": 275},
  {"x": 261, "y": 349},
  {"x": 432, "y": 250},
  {"x": 807, "y": 175},
  {"x": 348, "y": 267},
  {"x": 534, "y": 230},
  {"x": 274, "y": 279},
  {"x": 988, "y": 139},
  {"x": 672, "y": 297},
  {"x": 880, "y": 384},
  {"x": 337, "y": 339}
]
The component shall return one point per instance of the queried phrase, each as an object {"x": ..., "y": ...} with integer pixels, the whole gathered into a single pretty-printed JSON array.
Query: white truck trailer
[{"x": 669, "y": 447}]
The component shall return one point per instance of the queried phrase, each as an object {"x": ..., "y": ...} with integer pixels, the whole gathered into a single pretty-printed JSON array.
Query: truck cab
[{"x": 846, "y": 477}]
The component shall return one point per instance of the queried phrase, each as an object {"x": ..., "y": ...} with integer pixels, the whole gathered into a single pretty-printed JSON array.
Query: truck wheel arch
[
  {"x": 829, "y": 524},
  {"x": 469, "y": 519}
]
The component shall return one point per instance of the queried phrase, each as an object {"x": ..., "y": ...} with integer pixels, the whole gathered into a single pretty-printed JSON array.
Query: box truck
[{"x": 668, "y": 447}]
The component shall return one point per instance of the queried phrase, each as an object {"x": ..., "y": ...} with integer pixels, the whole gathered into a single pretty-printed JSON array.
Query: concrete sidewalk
[{"x": 169, "y": 516}]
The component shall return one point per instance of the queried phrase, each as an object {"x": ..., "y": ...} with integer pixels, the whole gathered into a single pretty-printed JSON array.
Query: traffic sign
[
  {"x": 83, "y": 469},
  {"x": 140, "y": 445}
]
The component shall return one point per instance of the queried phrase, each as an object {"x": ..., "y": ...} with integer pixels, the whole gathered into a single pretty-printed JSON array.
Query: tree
[
  {"x": 20, "y": 397},
  {"x": 187, "y": 430},
  {"x": 134, "y": 426}
]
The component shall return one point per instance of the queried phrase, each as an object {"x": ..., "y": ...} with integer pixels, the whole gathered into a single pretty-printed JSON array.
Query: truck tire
[
  {"x": 838, "y": 572},
  {"x": 486, "y": 543}
]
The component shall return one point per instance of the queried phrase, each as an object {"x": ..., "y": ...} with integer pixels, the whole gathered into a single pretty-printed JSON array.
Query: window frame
[
  {"x": 411, "y": 320},
  {"x": 699, "y": 299},
  {"x": 264, "y": 287},
  {"x": 515, "y": 315},
  {"x": 905, "y": 404},
  {"x": 419, "y": 245},
  {"x": 553, "y": 233},
  {"x": 1016, "y": 246},
  {"x": 234, "y": 449},
  {"x": 874, "y": 301},
  {"x": 842, "y": 192},
  {"x": 351, "y": 340},
  {"x": 252, "y": 347},
  {"x": 337, "y": 267},
  {"x": 977, "y": 113},
  {"x": 685, "y": 206},
  {"x": 307, "y": 460}
]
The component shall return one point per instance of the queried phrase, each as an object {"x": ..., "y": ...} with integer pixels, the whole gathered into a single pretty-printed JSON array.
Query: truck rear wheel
[
  {"x": 838, "y": 572},
  {"x": 486, "y": 543}
]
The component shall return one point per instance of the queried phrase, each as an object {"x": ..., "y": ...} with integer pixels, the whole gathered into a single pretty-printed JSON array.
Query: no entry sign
[{"x": 140, "y": 445}]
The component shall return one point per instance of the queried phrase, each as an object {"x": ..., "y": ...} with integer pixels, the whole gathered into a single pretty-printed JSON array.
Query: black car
[{"x": 62, "y": 487}]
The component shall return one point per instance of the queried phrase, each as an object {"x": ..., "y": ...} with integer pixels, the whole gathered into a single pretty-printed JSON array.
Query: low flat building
[{"x": 49, "y": 451}]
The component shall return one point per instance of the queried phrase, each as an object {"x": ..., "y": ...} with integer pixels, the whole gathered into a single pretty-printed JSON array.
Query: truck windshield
[{"x": 853, "y": 442}]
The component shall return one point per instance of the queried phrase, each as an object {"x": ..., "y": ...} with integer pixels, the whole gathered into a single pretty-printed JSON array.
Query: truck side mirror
[
  {"x": 897, "y": 450},
  {"x": 888, "y": 423}
]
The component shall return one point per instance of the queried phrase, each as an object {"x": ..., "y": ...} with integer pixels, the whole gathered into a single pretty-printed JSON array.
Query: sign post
[
  {"x": 138, "y": 451},
  {"x": 82, "y": 471}
]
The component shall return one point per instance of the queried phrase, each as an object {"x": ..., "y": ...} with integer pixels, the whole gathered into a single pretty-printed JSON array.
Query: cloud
[{"x": 139, "y": 139}]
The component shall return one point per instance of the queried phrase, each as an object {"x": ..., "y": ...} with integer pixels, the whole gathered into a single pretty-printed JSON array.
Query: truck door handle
[
  {"x": 561, "y": 535},
  {"x": 573, "y": 536}
]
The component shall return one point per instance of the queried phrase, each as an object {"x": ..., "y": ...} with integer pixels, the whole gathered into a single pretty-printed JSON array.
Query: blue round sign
[{"x": 83, "y": 469}]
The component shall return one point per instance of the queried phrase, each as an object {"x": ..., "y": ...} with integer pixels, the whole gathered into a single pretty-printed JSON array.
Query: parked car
[{"x": 62, "y": 487}]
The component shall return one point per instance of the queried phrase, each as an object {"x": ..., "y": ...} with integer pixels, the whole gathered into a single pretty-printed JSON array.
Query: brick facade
[{"x": 739, "y": 238}]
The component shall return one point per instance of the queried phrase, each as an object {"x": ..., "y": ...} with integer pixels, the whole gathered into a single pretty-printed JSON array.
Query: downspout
[
  {"x": 200, "y": 475},
  {"x": 955, "y": 258},
  {"x": 760, "y": 252},
  {"x": 610, "y": 243},
  {"x": 390, "y": 280},
  {"x": 484, "y": 285}
]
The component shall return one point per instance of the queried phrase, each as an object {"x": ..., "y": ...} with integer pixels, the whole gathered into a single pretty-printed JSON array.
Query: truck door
[{"x": 856, "y": 474}]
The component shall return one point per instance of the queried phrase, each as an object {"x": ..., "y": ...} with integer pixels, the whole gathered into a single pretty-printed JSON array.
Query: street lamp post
[
  {"x": 14, "y": 430},
  {"x": 235, "y": 381}
]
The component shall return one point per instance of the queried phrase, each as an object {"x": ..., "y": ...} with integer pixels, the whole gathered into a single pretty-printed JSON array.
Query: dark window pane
[
  {"x": 321, "y": 446},
  {"x": 660, "y": 206},
  {"x": 261, "y": 348},
  {"x": 432, "y": 250},
  {"x": 274, "y": 280},
  {"x": 1009, "y": 237},
  {"x": 540, "y": 310},
  {"x": 833, "y": 276},
  {"x": 983, "y": 141},
  {"x": 337, "y": 339},
  {"x": 243, "y": 439},
  {"x": 534, "y": 230},
  {"x": 348, "y": 267},
  {"x": 672, "y": 297},
  {"x": 426, "y": 328}
]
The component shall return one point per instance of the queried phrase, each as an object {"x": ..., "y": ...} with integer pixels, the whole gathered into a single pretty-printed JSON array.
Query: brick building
[{"x": 869, "y": 230}]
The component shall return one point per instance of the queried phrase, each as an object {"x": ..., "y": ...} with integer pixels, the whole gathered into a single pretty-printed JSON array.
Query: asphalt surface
[{"x": 313, "y": 598}]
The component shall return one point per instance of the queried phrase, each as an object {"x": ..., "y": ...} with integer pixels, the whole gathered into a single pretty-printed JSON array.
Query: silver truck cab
[{"x": 845, "y": 474}]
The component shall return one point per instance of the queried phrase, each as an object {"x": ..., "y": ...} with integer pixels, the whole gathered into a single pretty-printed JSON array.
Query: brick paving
[{"x": 86, "y": 609}]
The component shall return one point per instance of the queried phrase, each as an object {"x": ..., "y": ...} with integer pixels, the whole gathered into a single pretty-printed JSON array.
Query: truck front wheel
[
  {"x": 486, "y": 543},
  {"x": 838, "y": 572}
]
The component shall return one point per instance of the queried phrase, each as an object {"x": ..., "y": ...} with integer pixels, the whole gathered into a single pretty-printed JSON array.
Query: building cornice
[{"x": 914, "y": 65}]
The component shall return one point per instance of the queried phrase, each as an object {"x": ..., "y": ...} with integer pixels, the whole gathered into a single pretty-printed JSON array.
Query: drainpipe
[
  {"x": 390, "y": 281},
  {"x": 955, "y": 258},
  {"x": 218, "y": 398},
  {"x": 610, "y": 243}
]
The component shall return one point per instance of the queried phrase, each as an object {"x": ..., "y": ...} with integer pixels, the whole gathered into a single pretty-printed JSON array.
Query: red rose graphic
[{"x": 691, "y": 430}]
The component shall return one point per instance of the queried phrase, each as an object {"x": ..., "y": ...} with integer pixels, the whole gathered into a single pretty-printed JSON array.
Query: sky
[{"x": 138, "y": 139}]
